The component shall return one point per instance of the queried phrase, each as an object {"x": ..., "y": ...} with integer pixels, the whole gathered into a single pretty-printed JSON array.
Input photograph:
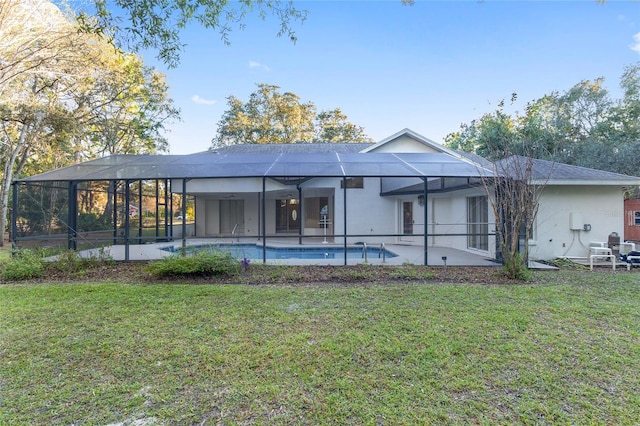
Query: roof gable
[{"x": 407, "y": 141}]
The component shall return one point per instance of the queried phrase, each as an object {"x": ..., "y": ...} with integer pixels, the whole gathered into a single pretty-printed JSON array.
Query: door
[
  {"x": 407, "y": 221},
  {"x": 232, "y": 217},
  {"x": 287, "y": 215}
]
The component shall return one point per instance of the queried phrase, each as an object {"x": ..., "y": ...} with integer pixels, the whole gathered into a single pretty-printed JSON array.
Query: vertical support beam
[
  {"x": 127, "y": 217},
  {"x": 14, "y": 216},
  {"x": 184, "y": 217},
  {"x": 170, "y": 211},
  {"x": 259, "y": 217},
  {"x": 301, "y": 218},
  {"x": 72, "y": 220},
  {"x": 264, "y": 220},
  {"x": 168, "y": 207},
  {"x": 344, "y": 212},
  {"x": 140, "y": 212},
  {"x": 114, "y": 187},
  {"x": 157, "y": 210},
  {"x": 425, "y": 193}
]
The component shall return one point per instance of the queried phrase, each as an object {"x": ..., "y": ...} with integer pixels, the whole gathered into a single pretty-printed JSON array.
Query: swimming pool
[{"x": 253, "y": 251}]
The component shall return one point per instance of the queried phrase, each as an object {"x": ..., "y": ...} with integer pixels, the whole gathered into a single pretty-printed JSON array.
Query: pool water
[{"x": 252, "y": 251}]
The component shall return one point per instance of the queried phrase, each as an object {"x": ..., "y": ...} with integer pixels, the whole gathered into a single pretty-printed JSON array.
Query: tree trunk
[{"x": 7, "y": 178}]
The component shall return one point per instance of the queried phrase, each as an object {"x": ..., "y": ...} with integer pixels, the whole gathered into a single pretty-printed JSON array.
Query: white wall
[
  {"x": 600, "y": 206},
  {"x": 242, "y": 185},
  {"x": 404, "y": 144},
  {"x": 448, "y": 215}
]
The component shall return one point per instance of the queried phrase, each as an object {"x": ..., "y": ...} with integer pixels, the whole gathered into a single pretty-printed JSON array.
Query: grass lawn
[{"x": 563, "y": 350}]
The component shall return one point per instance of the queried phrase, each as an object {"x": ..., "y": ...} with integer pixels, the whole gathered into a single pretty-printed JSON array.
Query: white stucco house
[{"x": 405, "y": 190}]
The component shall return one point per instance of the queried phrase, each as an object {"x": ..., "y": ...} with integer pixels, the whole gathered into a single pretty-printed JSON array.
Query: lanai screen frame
[{"x": 289, "y": 166}]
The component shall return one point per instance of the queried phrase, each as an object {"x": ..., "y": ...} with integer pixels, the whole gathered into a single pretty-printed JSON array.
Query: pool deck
[{"x": 410, "y": 254}]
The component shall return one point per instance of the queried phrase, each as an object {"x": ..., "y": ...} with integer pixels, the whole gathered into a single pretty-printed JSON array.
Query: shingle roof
[{"x": 560, "y": 173}]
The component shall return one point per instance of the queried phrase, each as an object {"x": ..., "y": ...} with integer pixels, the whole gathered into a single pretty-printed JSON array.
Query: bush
[
  {"x": 201, "y": 263},
  {"x": 24, "y": 265},
  {"x": 70, "y": 261},
  {"x": 516, "y": 268}
]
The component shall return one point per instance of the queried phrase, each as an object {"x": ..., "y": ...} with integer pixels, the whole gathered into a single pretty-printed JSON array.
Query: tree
[
  {"x": 582, "y": 126},
  {"x": 333, "y": 126},
  {"x": 42, "y": 56},
  {"x": 273, "y": 117},
  {"x": 514, "y": 189},
  {"x": 123, "y": 108},
  {"x": 155, "y": 24},
  {"x": 66, "y": 89}
]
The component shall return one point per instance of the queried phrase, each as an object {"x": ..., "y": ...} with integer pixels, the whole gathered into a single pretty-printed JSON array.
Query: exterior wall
[
  {"x": 448, "y": 215},
  {"x": 631, "y": 230},
  {"x": 599, "y": 206},
  {"x": 367, "y": 213},
  {"x": 237, "y": 185}
]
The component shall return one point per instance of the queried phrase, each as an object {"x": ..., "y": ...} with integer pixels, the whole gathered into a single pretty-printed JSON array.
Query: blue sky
[{"x": 428, "y": 67}]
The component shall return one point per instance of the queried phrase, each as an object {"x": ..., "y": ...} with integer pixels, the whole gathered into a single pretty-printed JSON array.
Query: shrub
[
  {"x": 24, "y": 265},
  {"x": 516, "y": 268},
  {"x": 201, "y": 263}
]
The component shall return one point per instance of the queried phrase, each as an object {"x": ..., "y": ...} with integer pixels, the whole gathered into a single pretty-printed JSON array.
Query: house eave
[{"x": 573, "y": 182}]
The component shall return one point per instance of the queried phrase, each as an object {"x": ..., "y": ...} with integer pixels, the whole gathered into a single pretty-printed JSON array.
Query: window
[
  {"x": 636, "y": 218},
  {"x": 355, "y": 182},
  {"x": 478, "y": 223}
]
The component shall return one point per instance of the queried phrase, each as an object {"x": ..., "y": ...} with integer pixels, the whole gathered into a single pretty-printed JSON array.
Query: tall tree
[
  {"x": 273, "y": 117},
  {"x": 42, "y": 57},
  {"x": 334, "y": 126},
  {"x": 123, "y": 108},
  {"x": 581, "y": 126},
  {"x": 55, "y": 101}
]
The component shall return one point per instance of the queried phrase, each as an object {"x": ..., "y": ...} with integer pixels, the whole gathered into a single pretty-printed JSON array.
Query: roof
[
  {"x": 321, "y": 160},
  {"x": 552, "y": 173},
  {"x": 225, "y": 164},
  {"x": 426, "y": 142}
]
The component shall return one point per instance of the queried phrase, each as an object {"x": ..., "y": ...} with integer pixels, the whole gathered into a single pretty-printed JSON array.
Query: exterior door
[
  {"x": 287, "y": 215},
  {"x": 407, "y": 221},
  {"x": 478, "y": 223},
  {"x": 232, "y": 217}
]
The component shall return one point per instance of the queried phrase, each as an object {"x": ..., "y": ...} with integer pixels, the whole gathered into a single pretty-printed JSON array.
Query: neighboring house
[{"x": 405, "y": 189}]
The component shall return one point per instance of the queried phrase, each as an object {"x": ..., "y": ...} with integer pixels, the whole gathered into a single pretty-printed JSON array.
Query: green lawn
[{"x": 563, "y": 350}]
